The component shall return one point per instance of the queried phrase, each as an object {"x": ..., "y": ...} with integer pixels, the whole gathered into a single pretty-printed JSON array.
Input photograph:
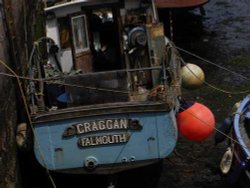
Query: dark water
[{"x": 223, "y": 37}]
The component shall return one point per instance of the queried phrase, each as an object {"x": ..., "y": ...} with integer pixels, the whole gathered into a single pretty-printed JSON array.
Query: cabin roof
[{"x": 80, "y": 2}]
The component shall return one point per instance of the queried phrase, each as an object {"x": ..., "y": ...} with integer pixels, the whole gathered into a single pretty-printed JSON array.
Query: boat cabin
[{"x": 112, "y": 50}]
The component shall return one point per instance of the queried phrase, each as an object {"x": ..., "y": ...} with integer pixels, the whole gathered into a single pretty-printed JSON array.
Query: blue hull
[
  {"x": 104, "y": 150},
  {"x": 238, "y": 124},
  {"x": 240, "y": 171}
]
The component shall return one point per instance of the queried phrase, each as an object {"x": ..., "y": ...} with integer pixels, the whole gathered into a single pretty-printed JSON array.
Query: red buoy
[{"x": 196, "y": 123}]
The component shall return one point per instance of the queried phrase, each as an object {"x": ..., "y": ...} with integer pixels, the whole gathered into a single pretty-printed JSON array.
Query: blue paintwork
[
  {"x": 239, "y": 170},
  {"x": 156, "y": 140},
  {"x": 240, "y": 110}
]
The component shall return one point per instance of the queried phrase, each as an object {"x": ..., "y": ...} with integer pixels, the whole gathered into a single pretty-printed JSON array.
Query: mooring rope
[
  {"x": 13, "y": 74},
  {"x": 210, "y": 62},
  {"x": 29, "y": 119},
  {"x": 216, "y": 129},
  {"x": 31, "y": 124},
  {"x": 212, "y": 86}
]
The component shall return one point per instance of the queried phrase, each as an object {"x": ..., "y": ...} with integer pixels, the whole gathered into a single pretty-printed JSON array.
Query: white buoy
[
  {"x": 226, "y": 161},
  {"x": 21, "y": 135},
  {"x": 192, "y": 76}
]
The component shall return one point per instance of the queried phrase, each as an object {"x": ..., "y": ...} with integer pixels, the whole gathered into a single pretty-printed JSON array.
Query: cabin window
[
  {"x": 64, "y": 33},
  {"x": 80, "y": 33}
]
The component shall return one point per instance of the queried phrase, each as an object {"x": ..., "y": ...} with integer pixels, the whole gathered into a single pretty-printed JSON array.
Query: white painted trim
[
  {"x": 76, "y": 2},
  {"x": 65, "y": 4}
]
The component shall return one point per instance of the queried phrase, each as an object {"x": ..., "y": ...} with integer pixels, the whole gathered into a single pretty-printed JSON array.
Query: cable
[
  {"x": 233, "y": 140},
  {"x": 29, "y": 118},
  {"x": 207, "y": 61},
  {"x": 108, "y": 90},
  {"x": 212, "y": 86}
]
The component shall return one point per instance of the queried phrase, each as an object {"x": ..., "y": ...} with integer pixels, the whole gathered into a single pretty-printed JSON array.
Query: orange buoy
[{"x": 196, "y": 123}]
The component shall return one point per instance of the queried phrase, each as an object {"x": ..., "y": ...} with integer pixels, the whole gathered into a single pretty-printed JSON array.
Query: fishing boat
[
  {"x": 105, "y": 98},
  {"x": 235, "y": 164},
  {"x": 180, "y": 3}
]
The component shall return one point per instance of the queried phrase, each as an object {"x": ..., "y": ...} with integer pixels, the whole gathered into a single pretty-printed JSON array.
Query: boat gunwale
[
  {"x": 239, "y": 111},
  {"x": 100, "y": 109}
]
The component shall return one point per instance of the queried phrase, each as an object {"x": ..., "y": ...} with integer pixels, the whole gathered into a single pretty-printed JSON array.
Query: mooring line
[
  {"x": 74, "y": 85},
  {"x": 29, "y": 119},
  {"x": 210, "y": 62},
  {"x": 216, "y": 129},
  {"x": 212, "y": 86}
]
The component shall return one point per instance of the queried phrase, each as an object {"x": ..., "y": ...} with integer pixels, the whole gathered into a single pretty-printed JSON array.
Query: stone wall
[{"x": 13, "y": 42}]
